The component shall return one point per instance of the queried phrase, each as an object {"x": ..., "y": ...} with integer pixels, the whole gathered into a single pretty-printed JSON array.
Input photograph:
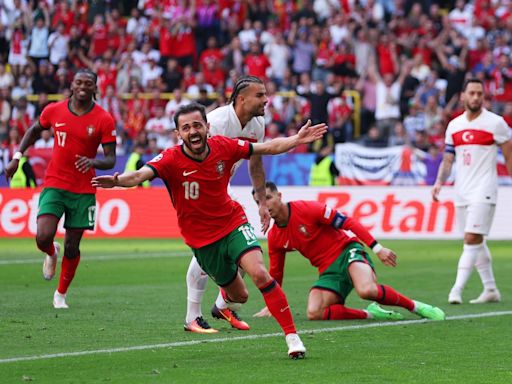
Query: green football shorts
[
  {"x": 220, "y": 259},
  {"x": 79, "y": 208},
  {"x": 336, "y": 278}
]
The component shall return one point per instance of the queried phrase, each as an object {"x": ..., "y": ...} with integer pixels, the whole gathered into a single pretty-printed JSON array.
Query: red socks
[
  {"x": 278, "y": 306},
  {"x": 388, "y": 296},
  {"x": 340, "y": 312},
  {"x": 67, "y": 273},
  {"x": 50, "y": 250}
]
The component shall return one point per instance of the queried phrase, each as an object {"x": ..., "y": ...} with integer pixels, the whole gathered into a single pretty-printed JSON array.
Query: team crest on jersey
[
  {"x": 304, "y": 230},
  {"x": 220, "y": 167},
  {"x": 90, "y": 130}
]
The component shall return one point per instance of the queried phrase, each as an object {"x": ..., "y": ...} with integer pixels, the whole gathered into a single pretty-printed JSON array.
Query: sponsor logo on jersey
[
  {"x": 90, "y": 130},
  {"x": 57, "y": 125},
  {"x": 187, "y": 173}
]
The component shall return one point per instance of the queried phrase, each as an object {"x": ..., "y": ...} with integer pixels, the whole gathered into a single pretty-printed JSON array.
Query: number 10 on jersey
[{"x": 191, "y": 190}]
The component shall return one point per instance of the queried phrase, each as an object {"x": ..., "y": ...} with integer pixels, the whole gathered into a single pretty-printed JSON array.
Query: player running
[
  {"x": 80, "y": 126},
  {"x": 215, "y": 226},
  {"x": 317, "y": 232},
  {"x": 242, "y": 118}
]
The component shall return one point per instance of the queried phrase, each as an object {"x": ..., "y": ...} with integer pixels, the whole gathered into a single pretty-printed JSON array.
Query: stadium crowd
[{"x": 398, "y": 64}]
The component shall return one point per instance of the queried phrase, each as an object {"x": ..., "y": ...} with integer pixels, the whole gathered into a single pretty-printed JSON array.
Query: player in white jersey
[
  {"x": 241, "y": 118},
  {"x": 472, "y": 140}
]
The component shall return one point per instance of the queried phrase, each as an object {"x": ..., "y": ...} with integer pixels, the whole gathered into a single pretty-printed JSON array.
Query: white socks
[
  {"x": 196, "y": 285},
  {"x": 479, "y": 256},
  {"x": 483, "y": 265},
  {"x": 466, "y": 263}
]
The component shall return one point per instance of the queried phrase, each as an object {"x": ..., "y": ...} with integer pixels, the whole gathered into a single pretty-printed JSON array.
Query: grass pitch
[{"x": 127, "y": 307}]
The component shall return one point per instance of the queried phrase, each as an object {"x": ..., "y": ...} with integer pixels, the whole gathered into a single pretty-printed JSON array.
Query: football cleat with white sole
[
  {"x": 296, "y": 349},
  {"x": 428, "y": 311},
  {"x": 199, "y": 325},
  {"x": 50, "y": 263},
  {"x": 487, "y": 296},
  {"x": 59, "y": 301},
  {"x": 455, "y": 297}
]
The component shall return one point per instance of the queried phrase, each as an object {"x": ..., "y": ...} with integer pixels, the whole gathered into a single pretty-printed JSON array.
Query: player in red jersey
[
  {"x": 317, "y": 232},
  {"x": 197, "y": 174},
  {"x": 79, "y": 126}
]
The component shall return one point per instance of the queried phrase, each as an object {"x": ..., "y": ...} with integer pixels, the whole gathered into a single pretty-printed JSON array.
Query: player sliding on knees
[
  {"x": 197, "y": 174},
  {"x": 318, "y": 233}
]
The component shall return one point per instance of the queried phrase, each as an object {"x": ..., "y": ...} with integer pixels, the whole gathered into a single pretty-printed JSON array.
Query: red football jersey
[
  {"x": 75, "y": 135},
  {"x": 310, "y": 231},
  {"x": 198, "y": 189}
]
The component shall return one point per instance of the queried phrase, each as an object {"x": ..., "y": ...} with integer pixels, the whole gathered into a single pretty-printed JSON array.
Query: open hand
[
  {"x": 83, "y": 164},
  {"x": 107, "y": 181},
  {"x": 309, "y": 133},
  {"x": 387, "y": 256}
]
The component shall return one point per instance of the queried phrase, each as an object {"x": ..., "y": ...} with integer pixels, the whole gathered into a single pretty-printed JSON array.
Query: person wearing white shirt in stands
[{"x": 472, "y": 140}]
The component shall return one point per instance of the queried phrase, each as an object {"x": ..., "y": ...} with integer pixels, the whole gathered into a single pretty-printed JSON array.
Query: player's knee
[
  {"x": 367, "y": 291},
  {"x": 261, "y": 277},
  {"x": 43, "y": 241},
  {"x": 314, "y": 313}
]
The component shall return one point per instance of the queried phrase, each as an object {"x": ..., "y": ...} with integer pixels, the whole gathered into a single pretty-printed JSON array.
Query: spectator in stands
[{"x": 46, "y": 139}]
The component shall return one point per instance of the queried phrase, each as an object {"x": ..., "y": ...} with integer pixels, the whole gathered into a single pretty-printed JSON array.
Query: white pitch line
[
  {"x": 126, "y": 256},
  {"x": 249, "y": 337}
]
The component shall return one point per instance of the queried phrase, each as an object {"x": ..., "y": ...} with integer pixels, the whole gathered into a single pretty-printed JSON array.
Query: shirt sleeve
[
  {"x": 503, "y": 132},
  {"x": 44, "y": 119},
  {"x": 448, "y": 140},
  {"x": 241, "y": 149},
  {"x": 159, "y": 164},
  {"x": 108, "y": 132}
]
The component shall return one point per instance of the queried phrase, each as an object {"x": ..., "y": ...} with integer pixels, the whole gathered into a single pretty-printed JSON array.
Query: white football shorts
[{"x": 476, "y": 218}]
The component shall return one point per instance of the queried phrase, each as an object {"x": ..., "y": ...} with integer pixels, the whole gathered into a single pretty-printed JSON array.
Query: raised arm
[
  {"x": 126, "y": 179},
  {"x": 307, "y": 134},
  {"x": 442, "y": 174}
]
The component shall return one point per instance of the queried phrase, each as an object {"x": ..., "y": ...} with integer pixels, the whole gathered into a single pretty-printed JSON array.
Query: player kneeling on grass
[
  {"x": 317, "y": 232},
  {"x": 215, "y": 226}
]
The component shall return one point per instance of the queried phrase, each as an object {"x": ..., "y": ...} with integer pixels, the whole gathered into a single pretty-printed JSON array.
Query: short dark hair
[
  {"x": 471, "y": 81},
  {"x": 270, "y": 185},
  {"x": 242, "y": 83},
  {"x": 88, "y": 72},
  {"x": 189, "y": 108}
]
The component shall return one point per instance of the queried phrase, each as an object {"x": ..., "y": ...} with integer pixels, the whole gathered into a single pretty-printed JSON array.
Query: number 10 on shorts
[{"x": 248, "y": 233}]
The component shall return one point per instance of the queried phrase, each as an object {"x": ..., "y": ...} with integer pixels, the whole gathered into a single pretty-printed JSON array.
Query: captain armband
[{"x": 338, "y": 220}]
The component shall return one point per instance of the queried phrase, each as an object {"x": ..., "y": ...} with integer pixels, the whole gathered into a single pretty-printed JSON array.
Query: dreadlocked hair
[
  {"x": 242, "y": 83},
  {"x": 88, "y": 72}
]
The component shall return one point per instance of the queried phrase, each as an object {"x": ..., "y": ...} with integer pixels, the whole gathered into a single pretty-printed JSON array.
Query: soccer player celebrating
[
  {"x": 79, "y": 126},
  {"x": 472, "y": 141},
  {"x": 215, "y": 226},
  {"x": 242, "y": 118},
  {"x": 317, "y": 232}
]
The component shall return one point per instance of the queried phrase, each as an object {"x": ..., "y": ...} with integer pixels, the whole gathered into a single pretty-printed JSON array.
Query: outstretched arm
[
  {"x": 442, "y": 174},
  {"x": 307, "y": 134},
  {"x": 28, "y": 139},
  {"x": 386, "y": 255},
  {"x": 126, "y": 179}
]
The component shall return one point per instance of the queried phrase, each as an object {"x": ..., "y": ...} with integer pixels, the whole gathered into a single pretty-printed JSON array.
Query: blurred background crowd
[{"x": 380, "y": 72}]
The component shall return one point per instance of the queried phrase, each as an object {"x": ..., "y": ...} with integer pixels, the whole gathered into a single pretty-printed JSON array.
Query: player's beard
[
  {"x": 196, "y": 150},
  {"x": 474, "y": 108}
]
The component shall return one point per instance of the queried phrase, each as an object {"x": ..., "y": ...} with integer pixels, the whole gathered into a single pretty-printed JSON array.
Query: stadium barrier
[{"x": 389, "y": 212}]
